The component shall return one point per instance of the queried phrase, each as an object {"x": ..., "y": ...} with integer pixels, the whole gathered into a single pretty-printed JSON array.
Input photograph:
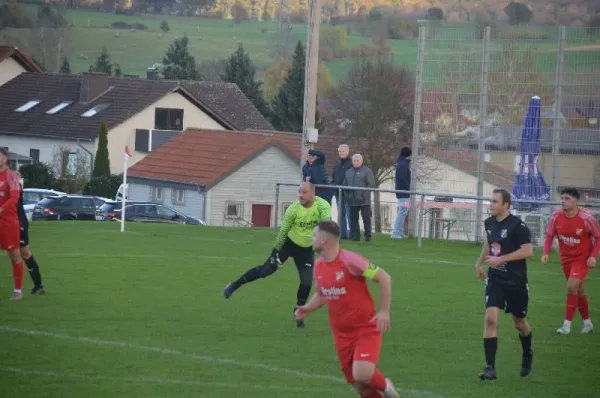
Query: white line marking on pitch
[
  {"x": 138, "y": 380},
  {"x": 234, "y": 362}
]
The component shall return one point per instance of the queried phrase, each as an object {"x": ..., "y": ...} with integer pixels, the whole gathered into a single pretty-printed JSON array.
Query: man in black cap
[{"x": 403, "y": 177}]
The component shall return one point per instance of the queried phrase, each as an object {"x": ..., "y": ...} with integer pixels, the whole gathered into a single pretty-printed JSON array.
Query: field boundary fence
[{"x": 443, "y": 215}]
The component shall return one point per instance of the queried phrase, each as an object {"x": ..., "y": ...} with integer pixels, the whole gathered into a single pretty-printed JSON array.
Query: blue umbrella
[{"x": 529, "y": 183}]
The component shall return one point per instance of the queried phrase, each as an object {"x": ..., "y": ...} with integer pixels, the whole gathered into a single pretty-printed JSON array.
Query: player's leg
[
  {"x": 584, "y": 309},
  {"x": 32, "y": 265},
  {"x": 304, "y": 260},
  {"x": 517, "y": 304},
  {"x": 9, "y": 241},
  {"x": 494, "y": 302},
  {"x": 368, "y": 380},
  {"x": 262, "y": 271},
  {"x": 576, "y": 275}
]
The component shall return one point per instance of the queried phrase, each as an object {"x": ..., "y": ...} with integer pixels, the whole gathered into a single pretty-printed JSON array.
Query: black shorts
[
  {"x": 303, "y": 257},
  {"x": 24, "y": 239},
  {"x": 513, "y": 298}
]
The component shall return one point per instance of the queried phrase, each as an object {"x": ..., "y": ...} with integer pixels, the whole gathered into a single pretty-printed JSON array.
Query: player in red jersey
[
  {"x": 579, "y": 243},
  {"x": 341, "y": 283},
  {"x": 10, "y": 231}
]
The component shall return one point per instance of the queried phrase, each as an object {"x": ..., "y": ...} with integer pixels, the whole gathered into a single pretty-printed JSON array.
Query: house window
[
  {"x": 234, "y": 209},
  {"x": 94, "y": 111},
  {"x": 27, "y": 106},
  {"x": 58, "y": 107},
  {"x": 284, "y": 207},
  {"x": 168, "y": 119},
  {"x": 178, "y": 196},
  {"x": 34, "y": 154},
  {"x": 69, "y": 163},
  {"x": 158, "y": 194}
]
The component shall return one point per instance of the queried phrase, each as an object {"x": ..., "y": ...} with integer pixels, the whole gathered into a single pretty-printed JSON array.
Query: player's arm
[
  {"x": 481, "y": 260},
  {"x": 594, "y": 231},
  {"x": 288, "y": 221},
  {"x": 324, "y": 209},
  {"x": 315, "y": 302},
  {"x": 384, "y": 281},
  {"x": 523, "y": 239},
  {"x": 15, "y": 191},
  {"x": 550, "y": 234}
]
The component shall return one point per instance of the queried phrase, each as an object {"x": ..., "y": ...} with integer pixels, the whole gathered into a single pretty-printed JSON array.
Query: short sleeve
[
  {"x": 13, "y": 181},
  {"x": 591, "y": 225},
  {"x": 551, "y": 228},
  {"x": 522, "y": 233},
  {"x": 355, "y": 263}
]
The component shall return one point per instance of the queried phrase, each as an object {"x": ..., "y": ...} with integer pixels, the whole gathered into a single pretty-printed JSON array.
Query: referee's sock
[
  {"x": 490, "y": 345},
  {"x": 34, "y": 271}
]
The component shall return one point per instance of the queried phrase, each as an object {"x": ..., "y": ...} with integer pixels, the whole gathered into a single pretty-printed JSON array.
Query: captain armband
[{"x": 370, "y": 271}]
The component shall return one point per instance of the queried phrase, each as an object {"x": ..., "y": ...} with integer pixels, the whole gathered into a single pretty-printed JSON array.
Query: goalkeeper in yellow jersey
[{"x": 293, "y": 240}]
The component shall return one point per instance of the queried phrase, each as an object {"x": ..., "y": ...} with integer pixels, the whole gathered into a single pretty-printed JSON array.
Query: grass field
[
  {"x": 141, "y": 314},
  {"x": 211, "y": 39}
]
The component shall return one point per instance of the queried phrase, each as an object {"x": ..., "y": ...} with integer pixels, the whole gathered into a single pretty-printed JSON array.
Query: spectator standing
[
  {"x": 359, "y": 201},
  {"x": 403, "y": 177},
  {"x": 343, "y": 164},
  {"x": 313, "y": 171}
]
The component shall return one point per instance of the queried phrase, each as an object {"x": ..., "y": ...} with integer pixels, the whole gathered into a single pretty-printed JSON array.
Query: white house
[
  {"x": 56, "y": 118},
  {"x": 226, "y": 178},
  {"x": 13, "y": 62}
]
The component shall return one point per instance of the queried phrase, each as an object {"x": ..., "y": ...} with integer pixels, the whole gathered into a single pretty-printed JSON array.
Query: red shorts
[
  {"x": 575, "y": 269},
  {"x": 10, "y": 236},
  {"x": 363, "y": 347}
]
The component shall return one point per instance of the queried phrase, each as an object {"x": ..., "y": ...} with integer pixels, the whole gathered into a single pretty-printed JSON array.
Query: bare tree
[{"x": 373, "y": 108}]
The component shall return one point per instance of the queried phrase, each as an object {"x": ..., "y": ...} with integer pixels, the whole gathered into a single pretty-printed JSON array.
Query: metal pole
[
  {"x": 558, "y": 106},
  {"x": 420, "y": 225},
  {"x": 310, "y": 73},
  {"x": 417, "y": 123},
  {"x": 483, "y": 101},
  {"x": 340, "y": 205},
  {"x": 276, "y": 205}
]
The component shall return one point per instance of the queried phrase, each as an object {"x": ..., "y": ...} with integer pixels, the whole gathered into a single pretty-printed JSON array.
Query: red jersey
[
  {"x": 10, "y": 189},
  {"x": 578, "y": 236},
  {"x": 342, "y": 284}
]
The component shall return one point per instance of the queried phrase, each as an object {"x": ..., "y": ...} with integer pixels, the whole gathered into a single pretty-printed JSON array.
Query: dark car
[
  {"x": 152, "y": 212},
  {"x": 109, "y": 210},
  {"x": 67, "y": 207}
]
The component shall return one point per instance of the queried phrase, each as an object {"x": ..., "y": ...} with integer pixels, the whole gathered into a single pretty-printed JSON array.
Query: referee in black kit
[{"x": 506, "y": 249}]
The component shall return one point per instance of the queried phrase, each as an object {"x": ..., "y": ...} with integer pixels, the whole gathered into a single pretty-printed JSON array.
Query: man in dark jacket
[
  {"x": 343, "y": 164},
  {"x": 360, "y": 201},
  {"x": 403, "y": 176},
  {"x": 313, "y": 171}
]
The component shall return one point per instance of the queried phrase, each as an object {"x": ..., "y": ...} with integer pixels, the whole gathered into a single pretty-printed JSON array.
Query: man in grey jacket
[{"x": 360, "y": 201}]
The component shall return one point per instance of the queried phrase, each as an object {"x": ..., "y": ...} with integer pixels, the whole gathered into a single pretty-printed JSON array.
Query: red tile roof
[
  {"x": 20, "y": 57},
  {"x": 206, "y": 157}
]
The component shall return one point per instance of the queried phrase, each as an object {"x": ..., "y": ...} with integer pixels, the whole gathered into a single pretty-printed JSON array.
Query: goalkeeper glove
[{"x": 274, "y": 258}]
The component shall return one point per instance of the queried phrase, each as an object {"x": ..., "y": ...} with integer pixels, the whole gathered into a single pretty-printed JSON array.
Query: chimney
[
  {"x": 92, "y": 85},
  {"x": 151, "y": 74}
]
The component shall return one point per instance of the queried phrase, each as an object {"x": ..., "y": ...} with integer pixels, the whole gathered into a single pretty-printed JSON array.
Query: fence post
[
  {"x": 340, "y": 203},
  {"x": 417, "y": 123},
  {"x": 483, "y": 102},
  {"x": 558, "y": 106},
  {"x": 276, "y": 218},
  {"x": 420, "y": 221}
]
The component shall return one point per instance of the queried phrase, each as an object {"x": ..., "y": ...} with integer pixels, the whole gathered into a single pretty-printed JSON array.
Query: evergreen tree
[
  {"x": 240, "y": 70},
  {"x": 103, "y": 64},
  {"x": 102, "y": 162},
  {"x": 118, "y": 71},
  {"x": 65, "y": 66},
  {"x": 179, "y": 63},
  {"x": 288, "y": 105}
]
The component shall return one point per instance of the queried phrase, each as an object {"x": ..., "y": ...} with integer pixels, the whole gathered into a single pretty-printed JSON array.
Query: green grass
[
  {"x": 211, "y": 39},
  {"x": 141, "y": 314}
]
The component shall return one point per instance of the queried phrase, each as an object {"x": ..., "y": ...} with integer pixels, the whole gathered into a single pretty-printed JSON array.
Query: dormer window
[
  {"x": 58, "y": 107},
  {"x": 94, "y": 111},
  {"x": 27, "y": 106}
]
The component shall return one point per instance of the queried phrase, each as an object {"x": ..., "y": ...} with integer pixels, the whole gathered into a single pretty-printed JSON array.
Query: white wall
[{"x": 9, "y": 69}]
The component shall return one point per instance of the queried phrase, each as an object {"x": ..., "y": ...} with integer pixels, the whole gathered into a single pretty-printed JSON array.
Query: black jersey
[
  {"x": 21, "y": 211},
  {"x": 505, "y": 237}
]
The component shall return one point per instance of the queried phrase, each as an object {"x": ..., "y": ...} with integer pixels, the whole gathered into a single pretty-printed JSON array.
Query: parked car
[
  {"x": 31, "y": 197},
  {"x": 67, "y": 207},
  {"x": 108, "y": 211},
  {"x": 152, "y": 212}
]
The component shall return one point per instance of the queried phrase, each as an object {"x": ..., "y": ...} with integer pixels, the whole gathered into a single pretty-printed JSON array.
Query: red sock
[
  {"x": 377, "y": 382},
  {"x": 374, "y": 394},
  {"x": 18, "y": 275},
  {"x": 584, "y": 308},
  {"x": 571, "y": 307}
]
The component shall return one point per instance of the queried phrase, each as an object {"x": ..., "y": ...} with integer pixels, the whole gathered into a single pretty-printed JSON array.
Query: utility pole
[{"x": 310, "y": 72}]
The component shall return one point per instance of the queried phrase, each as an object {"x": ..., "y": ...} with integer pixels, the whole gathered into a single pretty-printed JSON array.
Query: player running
[
  {"x": 294, "y": 240},
  {"x": 10, "y": 188},
  {"x": 32, "y": 265},
  {"x": 579, "y": 243},
  {"x": 341, "y": 284},
  {"x": 506, "y": 249}
]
